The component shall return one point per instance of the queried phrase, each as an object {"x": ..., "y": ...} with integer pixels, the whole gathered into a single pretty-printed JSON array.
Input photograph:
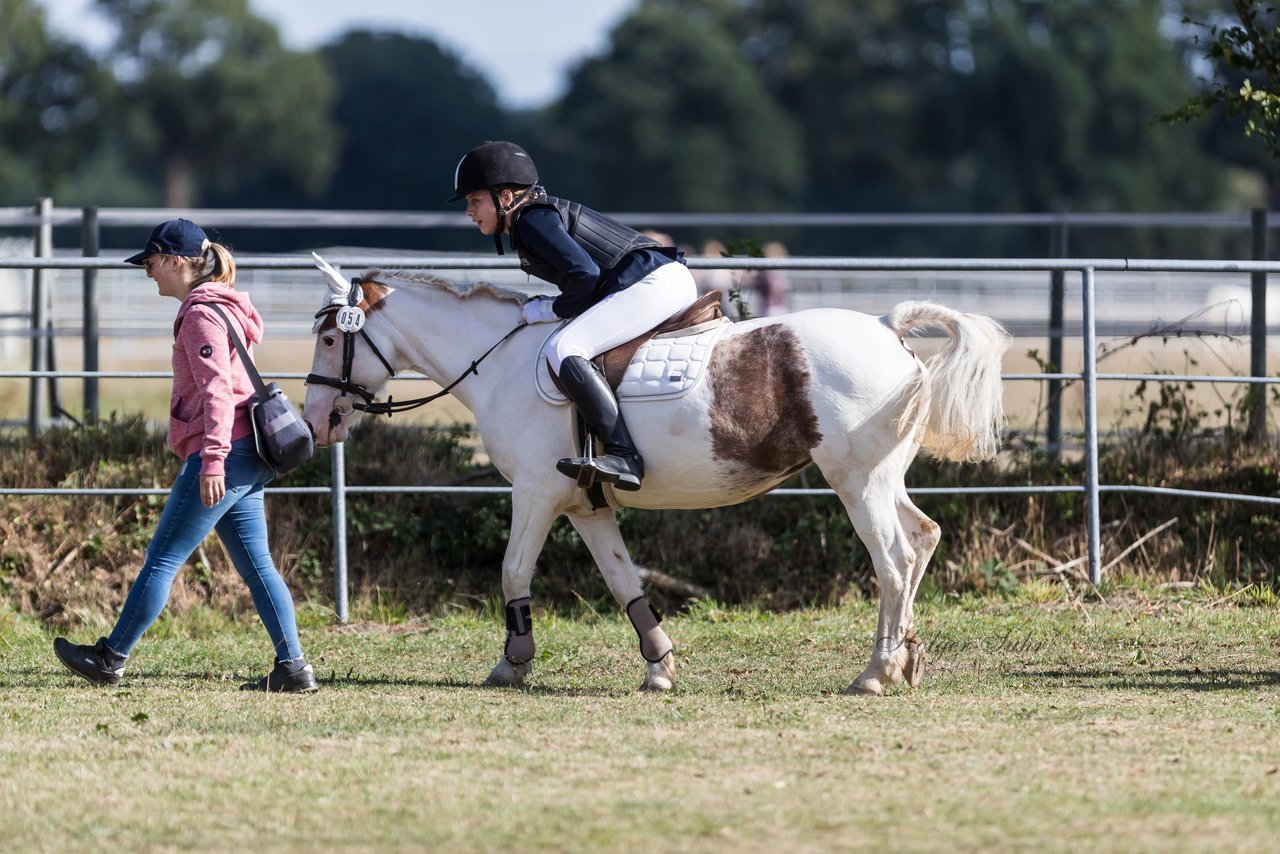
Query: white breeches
[{"x": 619, "y": 317}]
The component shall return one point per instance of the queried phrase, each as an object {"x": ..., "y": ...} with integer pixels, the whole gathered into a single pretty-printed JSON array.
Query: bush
[{"x": 70, "y": 559}]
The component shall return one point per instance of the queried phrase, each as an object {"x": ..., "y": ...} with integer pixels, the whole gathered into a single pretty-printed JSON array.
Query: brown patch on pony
[
  {"x": 374, "y": 294},
  {"x": 761, "y": 414}
]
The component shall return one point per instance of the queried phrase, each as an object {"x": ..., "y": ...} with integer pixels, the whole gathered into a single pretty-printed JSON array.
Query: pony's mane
[{"x": 417, "y": 278}]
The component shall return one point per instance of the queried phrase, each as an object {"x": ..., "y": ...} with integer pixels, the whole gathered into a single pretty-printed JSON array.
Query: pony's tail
[{"x": 958, "y": 405}]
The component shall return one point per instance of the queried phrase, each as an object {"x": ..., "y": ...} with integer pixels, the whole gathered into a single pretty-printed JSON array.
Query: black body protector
[{"x": 605, "y": 239}]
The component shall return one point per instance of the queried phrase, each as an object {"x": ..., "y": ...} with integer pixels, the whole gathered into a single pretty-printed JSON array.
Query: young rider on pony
[{"x": 615, "y": 284}]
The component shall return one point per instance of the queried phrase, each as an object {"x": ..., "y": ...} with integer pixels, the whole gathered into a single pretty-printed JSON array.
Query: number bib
[{"x": 350, "y": 318}]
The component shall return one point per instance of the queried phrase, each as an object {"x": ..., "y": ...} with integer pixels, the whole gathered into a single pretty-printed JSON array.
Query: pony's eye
[{"x": 328, "y": 340}]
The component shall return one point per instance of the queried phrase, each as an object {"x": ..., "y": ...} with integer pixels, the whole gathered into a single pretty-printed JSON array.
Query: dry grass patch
[{"x": 1047, "y": 727}]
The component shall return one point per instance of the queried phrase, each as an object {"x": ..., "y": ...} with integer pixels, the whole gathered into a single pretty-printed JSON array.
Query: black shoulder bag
[{"x": 283, "y": 439}]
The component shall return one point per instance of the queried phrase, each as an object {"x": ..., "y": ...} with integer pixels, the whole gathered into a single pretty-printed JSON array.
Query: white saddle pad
[{"x": 666, "y": 366}]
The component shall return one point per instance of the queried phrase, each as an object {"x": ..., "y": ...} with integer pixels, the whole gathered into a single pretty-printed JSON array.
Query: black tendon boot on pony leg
[
  {"x": 621, "y": 464},
  {"x": 518, "y": 651},
  {"x": 655, "y": 646}
]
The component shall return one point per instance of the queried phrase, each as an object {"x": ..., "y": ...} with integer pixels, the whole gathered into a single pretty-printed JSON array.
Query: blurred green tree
[
  {"x": 1240, "y": 53},
  {"x": 409, "y": 110},
  {"x": 995, "y": 105},
  {"x": 857, "y": 78},
  {"x": 672, "y": 117},
  {"x": 52, "y": 98},
  {"x": 1063, "y": 108},
  {"x": 215, "y": 99}
]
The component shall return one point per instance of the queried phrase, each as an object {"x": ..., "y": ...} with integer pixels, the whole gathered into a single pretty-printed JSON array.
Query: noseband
[{"x": 348, "y": 388}]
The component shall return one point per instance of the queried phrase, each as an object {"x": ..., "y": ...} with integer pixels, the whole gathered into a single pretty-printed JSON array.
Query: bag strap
[{"x": 258, "y": 385}]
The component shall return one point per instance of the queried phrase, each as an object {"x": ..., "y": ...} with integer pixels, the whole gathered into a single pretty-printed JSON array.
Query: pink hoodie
[{"x": 211, "y": 390}]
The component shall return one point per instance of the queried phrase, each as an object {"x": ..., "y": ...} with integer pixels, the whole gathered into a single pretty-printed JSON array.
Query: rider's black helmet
[{"x": 491, "y": 164}]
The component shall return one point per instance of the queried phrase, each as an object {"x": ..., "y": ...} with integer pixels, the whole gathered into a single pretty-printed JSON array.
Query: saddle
[{"x": 613, "y": 363}]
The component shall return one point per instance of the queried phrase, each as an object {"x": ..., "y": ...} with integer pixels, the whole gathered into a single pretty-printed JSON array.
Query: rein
[{"x": 390, "y": 405}]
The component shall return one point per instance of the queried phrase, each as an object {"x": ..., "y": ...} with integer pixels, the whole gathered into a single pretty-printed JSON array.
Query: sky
[{"x": 524, "y": 47}]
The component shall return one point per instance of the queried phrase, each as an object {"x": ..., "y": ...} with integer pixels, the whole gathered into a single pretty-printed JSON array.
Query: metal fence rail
[
  {"x": 1086, "y": 268},
  {"x": 25, "y": 217}
]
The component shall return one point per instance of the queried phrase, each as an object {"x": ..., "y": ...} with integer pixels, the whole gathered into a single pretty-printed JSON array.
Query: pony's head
[{"x": 351, "y": 363}]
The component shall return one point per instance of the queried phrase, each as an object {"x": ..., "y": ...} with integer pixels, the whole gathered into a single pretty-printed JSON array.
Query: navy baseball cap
[{"x": 180, "y": 237}]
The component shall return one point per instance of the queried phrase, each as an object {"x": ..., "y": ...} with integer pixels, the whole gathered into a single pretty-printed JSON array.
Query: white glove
[{"x": 538, "y": 310}]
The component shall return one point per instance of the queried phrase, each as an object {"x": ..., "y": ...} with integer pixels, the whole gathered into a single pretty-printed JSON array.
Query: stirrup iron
[{"x": 587, "y": 472}]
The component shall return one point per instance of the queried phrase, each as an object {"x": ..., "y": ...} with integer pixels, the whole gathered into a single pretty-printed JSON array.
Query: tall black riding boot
[{"x": 621, "y": 464}]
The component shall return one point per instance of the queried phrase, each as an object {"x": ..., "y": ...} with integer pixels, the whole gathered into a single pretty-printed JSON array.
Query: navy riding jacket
[{"x": 541, "y": 237}]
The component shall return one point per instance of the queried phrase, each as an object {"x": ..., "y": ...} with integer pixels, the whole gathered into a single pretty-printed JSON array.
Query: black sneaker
[
  {"x": 288, "y": 677},
  {"x": 100, "y": 664}
]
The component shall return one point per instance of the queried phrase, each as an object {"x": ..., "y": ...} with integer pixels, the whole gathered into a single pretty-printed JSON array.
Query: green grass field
[{"x": 1137, "y": 723}]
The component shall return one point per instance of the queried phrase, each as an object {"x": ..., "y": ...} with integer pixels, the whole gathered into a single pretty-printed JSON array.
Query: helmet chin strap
[
  {"x": 502, "y": 216},
  {"x": 503, "y": 213}
]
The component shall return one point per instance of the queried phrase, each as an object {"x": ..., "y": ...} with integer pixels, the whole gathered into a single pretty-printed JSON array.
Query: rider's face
[{"x": 480, "y": 209}]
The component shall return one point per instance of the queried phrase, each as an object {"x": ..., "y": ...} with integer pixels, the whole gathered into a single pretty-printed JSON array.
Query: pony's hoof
[
  {"x": 508, "y": 675},
  {"x": 913, "y": 670},
  {"x": 869, "y": 688},
  {"x": 660, "y": 675}
]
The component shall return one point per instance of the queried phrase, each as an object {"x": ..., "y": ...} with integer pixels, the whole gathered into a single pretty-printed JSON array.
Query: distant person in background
[
  {"x": 772, "y": 288},
  {"x": 220, "y": 484},
  {"x": 659, "y": 237},
  {"x": 715, "y": 280}
]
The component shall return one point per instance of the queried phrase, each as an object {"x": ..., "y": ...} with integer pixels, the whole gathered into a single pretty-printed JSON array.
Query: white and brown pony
[{"x": 837, "y": 388}]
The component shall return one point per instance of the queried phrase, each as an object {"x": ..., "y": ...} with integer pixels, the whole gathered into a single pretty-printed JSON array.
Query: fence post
[
  {"x": 338, "y": 476},
  {"x": 90, "y": 243},
  {"x": 1057, "y": 297},
  {"x": 1090, "y": 372},
  {"x": 39, "y": 350},
  {"x": 1257, "y": 429}
]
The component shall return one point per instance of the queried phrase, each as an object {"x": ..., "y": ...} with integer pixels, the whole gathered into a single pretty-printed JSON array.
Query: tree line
[{"x": 693, "y": 105}]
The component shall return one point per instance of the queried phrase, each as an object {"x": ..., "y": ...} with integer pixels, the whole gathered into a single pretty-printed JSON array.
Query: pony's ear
[{"x": 338, "y": 286}]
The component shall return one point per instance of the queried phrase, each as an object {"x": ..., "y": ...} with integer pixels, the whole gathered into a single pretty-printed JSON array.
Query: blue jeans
[{"x": 241, "y": 523}]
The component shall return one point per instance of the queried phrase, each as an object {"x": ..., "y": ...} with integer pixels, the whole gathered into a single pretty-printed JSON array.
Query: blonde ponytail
[
  {"x": 224, "y": 266},
  {"x": 216, "y": 265}
]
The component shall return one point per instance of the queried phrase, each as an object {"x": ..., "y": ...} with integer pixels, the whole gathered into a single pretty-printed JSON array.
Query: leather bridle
[{"x": 367, "y": 403}]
